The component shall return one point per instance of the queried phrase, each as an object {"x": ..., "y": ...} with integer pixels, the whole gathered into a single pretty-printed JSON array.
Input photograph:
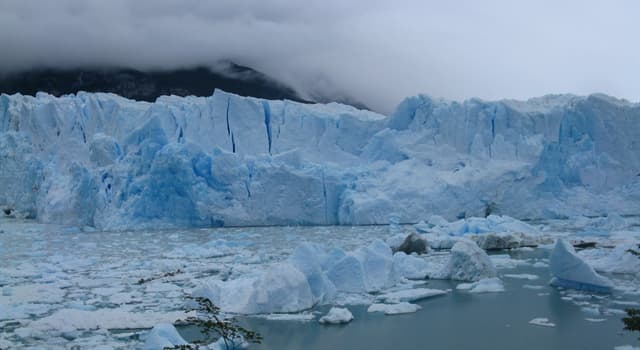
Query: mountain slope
[{"x": 148, "y": 86}]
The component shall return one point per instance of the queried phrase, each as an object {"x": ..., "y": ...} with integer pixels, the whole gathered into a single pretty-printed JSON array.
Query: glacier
[{"x": 103, "y": 161}]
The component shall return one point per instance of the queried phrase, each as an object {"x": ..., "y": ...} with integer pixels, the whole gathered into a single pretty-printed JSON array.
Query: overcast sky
[{"x": 376, "y": 51}]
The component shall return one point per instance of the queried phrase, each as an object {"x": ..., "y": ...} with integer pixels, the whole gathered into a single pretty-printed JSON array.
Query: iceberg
[
  {"x": 280, "y": 289},
  {"x": 409, "y": 266},
  {"x": 337, "y": 315},
  {"x": 309, "y": 259},
  {"x": 100, "y": 160},
  {"x": 571, "y": 271},
  {"x": 468, "y": 263},
  {"x": 163, "y": 336}
]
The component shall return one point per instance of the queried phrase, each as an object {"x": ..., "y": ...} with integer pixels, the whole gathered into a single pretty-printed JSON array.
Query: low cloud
[{"x": 376, "y": 51}]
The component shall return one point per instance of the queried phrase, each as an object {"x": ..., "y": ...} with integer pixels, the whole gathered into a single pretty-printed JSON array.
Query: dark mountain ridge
[{"x": 149, "y": 85}]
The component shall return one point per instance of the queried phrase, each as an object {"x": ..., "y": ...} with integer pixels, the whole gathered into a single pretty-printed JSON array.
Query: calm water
[
  {"x": 100, "y": 270},
  {"x": 457, "y": 321}
]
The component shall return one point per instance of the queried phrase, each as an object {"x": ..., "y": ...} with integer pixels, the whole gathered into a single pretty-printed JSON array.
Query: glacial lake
[{"x": 57, "y": 282}]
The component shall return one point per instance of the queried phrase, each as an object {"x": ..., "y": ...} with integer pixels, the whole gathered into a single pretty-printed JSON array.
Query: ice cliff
[{"x": 104, "y": 161}]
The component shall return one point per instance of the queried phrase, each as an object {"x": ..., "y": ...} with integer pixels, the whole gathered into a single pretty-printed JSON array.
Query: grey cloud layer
[{"x": 376, "y": 51}]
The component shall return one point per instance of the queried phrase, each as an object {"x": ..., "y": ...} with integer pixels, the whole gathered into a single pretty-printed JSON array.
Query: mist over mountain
[{"x": 149, "y": 85}]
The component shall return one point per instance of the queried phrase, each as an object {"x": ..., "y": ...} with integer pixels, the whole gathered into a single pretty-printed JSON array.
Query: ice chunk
[
  {"x": 377, "y": 265},
  {"x": 394, "y": 309},
  {"x": 410, "y": 295},
  {"x": 337, "y": 316},
  {"x": 65, "y": 320},
  {"x": 619, "y": 260},
  {"x": 525, "y": 276},
  {"x": 396, "y": 240},
  {"x": 499, "y": 241},
  {"x": 571, "y": 271},
  {"x": 163, "y": 336},
  {"x": 348, "y": 275},
  {"x": 468, "y": 263},
  {"x": 409, "y": 266},
  {"x": 367, "y": 269},
  {"x": 490, "y": 224},
  {"x": 309, "y": 259},
  {"x": 485, "y": 285},
  {"x": 542, "y": 321},
  {"x": 413, "y": 243},
  {"x": 443, "y": 242},
  {"x": 302, "y": 317},
  {"x": 281, "y": 288}
]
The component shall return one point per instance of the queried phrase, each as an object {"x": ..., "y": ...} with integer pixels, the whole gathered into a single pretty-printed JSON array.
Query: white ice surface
[
  {"x": 394, "y": 309},
  {"x": 485, "y": 285},
  {"x": 99, "y": 160},
  {"x": 542, "y": 321},
  {"x": 337, "y": 315}
]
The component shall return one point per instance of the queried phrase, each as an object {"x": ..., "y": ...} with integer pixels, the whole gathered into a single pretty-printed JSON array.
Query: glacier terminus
[{"x": 100, "y": 160}]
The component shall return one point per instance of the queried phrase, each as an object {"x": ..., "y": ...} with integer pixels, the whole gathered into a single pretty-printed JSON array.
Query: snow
[
  {"x": 571, "y": 271},
  {"x": 468, "y": 263},
  {"x": 394, "y": 309},
  {"x": 99, "y": 160},
  {"x": 162, "y": 336},
  {"x": 542, "y": 321},
  {"x": 485, "y": 285},
  {"x": 337, "y": 316}
]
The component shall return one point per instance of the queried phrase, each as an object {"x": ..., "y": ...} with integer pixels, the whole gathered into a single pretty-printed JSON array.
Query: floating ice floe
[
  {"x": 595, "y": 320},
  {"x": 571, "y": 271},
  {"x": 337, "y": 316},
  {"x": 394, "y": 309},
  {"x": 485, "y": 285},
  {"x": 524, "y": 276},
  {"x": 66, "y": 320},
  {"x": 302, "y": 317},
  {"x": 410, "y": 295},
  {"x": 542, "y": 321}
]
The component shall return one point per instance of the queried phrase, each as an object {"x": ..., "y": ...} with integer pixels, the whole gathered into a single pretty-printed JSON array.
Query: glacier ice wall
[{"x": 105, "y": 161}]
